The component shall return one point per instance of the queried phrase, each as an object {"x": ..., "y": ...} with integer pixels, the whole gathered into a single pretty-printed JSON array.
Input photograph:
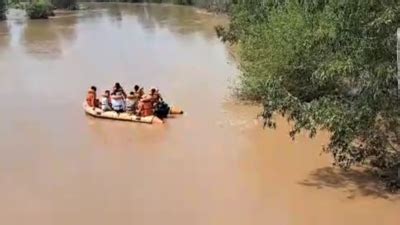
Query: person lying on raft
[
  {"x": 118, "y": 102},
  {"x": 91, "y": 98},
  {"x": 105, "y": 101}
]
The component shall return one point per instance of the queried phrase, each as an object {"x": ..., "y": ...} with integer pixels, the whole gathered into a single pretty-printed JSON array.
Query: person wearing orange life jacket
[
  {"x": 91, "y": 98},
  {"x": 145, "y": 106}
]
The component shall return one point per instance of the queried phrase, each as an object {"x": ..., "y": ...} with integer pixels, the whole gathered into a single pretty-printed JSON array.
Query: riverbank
[
  {"x": 210, "y": 5},
  {"x": 42, "y": 10}
]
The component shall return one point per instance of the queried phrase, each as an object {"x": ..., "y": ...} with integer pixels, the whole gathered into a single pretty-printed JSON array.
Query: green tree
[
  {"x": 325, "y": 65},
  {"x": 3, "y": 9},
  {"x": 40, "y": 9}
]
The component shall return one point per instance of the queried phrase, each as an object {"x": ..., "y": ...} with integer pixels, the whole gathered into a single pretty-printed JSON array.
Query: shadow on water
[
  {"x": 355, "y": 183},
  {"x": 10, "y": 29}
]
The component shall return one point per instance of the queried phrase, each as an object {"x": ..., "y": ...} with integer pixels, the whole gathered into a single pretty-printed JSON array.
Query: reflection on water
[
  {"x": 114, "y": 13},
  {"x": 45, "y": 38},
  {"x": 177, "y": 19},
  {"x": 214, "y": 165},
  {"x": 4, "y": 35}
]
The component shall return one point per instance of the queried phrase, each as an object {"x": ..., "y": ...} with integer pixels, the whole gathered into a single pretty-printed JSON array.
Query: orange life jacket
[
  {"x": 145, "y": 108},
  {"x": 91, "y": 98}
]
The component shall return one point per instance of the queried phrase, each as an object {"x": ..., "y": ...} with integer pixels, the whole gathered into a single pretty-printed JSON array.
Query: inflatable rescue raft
[{"x": 98, "y": 113}]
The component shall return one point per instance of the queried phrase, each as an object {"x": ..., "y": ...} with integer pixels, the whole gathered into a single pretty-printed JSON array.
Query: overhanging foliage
[{"x": 325, "y": 64}]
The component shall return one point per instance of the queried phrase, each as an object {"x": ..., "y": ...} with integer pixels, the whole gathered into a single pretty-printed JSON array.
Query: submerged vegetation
[{"x": 325, "y": 65}]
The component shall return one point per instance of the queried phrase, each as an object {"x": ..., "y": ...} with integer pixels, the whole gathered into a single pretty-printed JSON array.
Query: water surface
[{"x": 214, "y": 165}]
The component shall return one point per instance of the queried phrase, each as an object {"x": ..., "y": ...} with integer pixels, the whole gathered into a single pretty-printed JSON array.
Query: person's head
[
  {"x": 136, "y": 87},
  {"x": 131, "y": 95},
  {"x": 117, "y": 85},
  {"x": 106, "y": 94},
  {"x": 153, "y": 90},
  {"x": 93, "y": 88}
]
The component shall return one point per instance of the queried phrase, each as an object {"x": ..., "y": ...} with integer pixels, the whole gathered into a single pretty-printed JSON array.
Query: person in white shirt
[
  {"x": 105, "y": 101},
  {"x": 118, "y": 102}
]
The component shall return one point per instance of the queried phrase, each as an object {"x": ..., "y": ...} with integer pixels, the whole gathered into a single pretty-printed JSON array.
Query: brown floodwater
[{"x": 215, "y": 165}]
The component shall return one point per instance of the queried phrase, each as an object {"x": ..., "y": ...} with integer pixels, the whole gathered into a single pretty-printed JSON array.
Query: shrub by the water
[
  {"x": 325, "y": 65},
  {"x": 3, "y": 9},
  {"x": 65, "y": 4},
  {"x": 215, "y": 5},
  {"x": 41, "y": 9}
]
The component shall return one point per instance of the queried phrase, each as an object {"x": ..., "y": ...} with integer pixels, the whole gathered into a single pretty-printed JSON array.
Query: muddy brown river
[{"x": 215, "y": 165}]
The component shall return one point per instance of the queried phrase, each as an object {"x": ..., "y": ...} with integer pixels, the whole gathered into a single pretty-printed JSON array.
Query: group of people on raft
[{"x": 137, "y": 102}]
